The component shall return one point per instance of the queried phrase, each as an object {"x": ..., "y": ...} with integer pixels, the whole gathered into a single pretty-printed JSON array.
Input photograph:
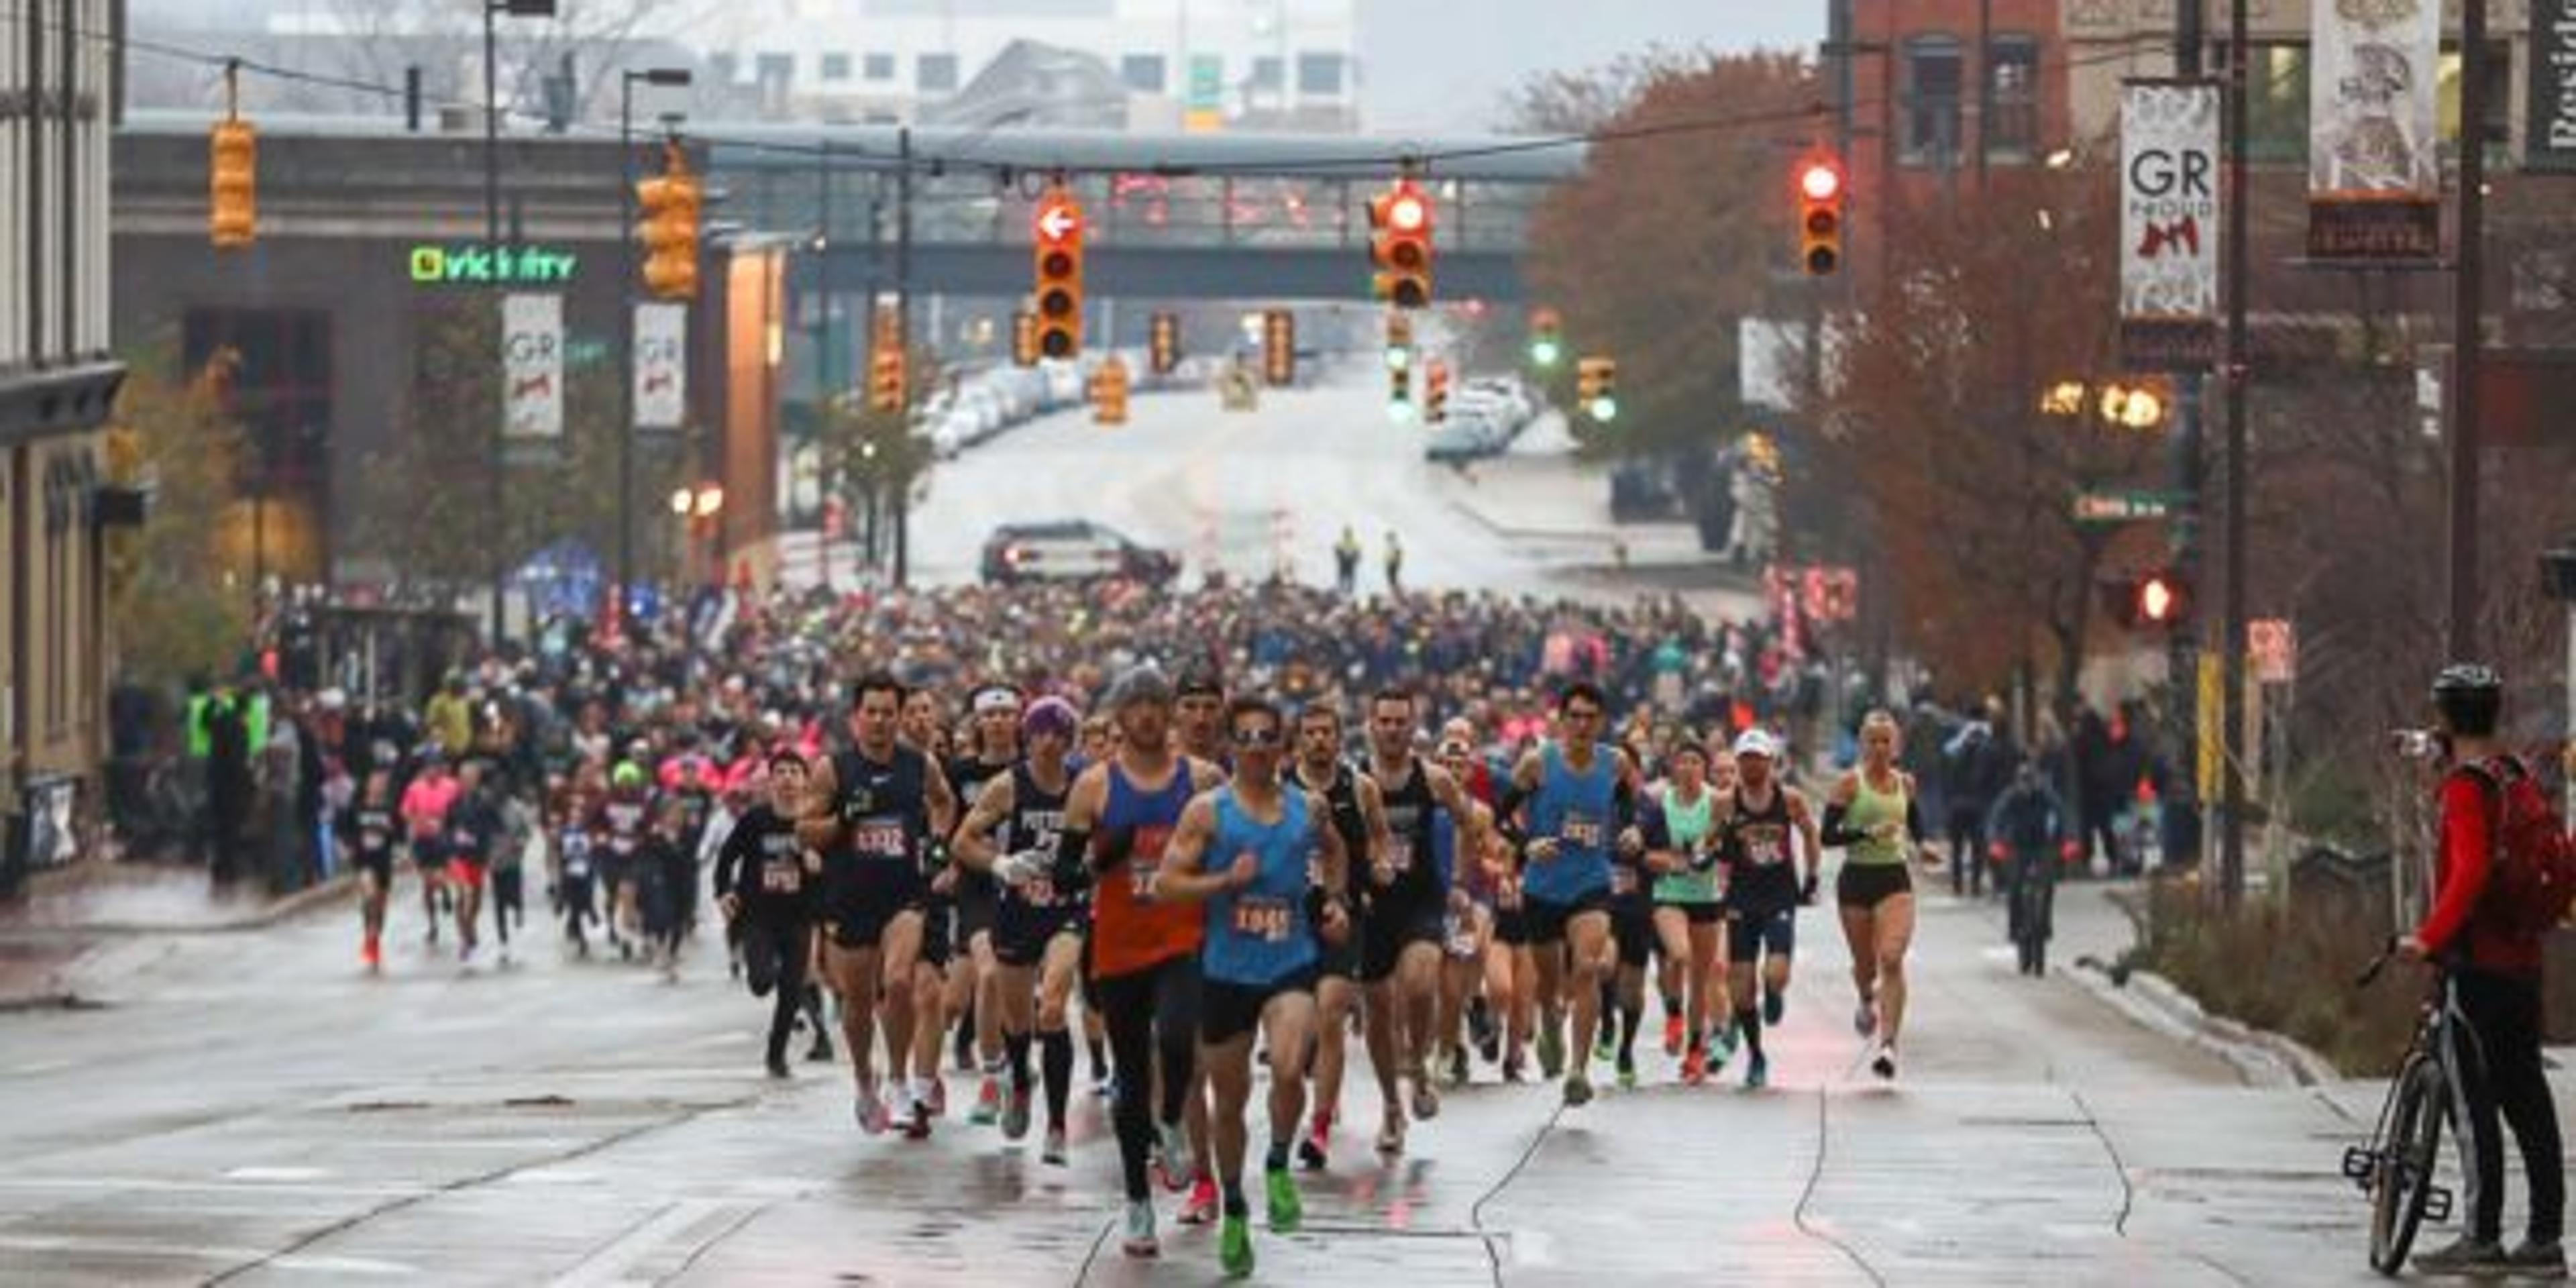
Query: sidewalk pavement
[{"x": 50, "y": 937}]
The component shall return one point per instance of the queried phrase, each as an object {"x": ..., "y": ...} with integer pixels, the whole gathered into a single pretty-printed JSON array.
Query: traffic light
[
  {"x": 1435, "y": 392},
  {"x": 1109, "y": 393},
  {"x": 1399, "y": 342},
  {"x": 1024, "y": 338},
  {"x": 2154, "y": 600},
  {"x": 1166, "y": 345},
  {"x": 1279, "y": 348},
  {"x": 886, "y": 378},
  {"x": 1820, "y": 216},
  {"x": 1058, "y": 238},
  {"x": 232, "y": 169},
  {"x": 1547, "y": 338},
  {"x": 668, "y": 206},
  {"x": 1399, "y": 392},
  {"x": 1596, "y": 383},
  {"x": 1400, "y": 245}
]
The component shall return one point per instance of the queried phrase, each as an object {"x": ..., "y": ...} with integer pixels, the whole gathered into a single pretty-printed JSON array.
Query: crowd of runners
[{"x": 1192, "y": 837}]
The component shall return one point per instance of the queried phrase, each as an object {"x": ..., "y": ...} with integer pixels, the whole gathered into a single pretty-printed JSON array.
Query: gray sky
[{"x": 1445, "y": 64}]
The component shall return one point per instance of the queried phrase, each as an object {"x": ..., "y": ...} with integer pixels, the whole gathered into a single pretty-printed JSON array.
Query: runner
[
  {"x": 1267, "y": 902},
  {"x": 1632, "y": 931},
  {"x": 425, "y": 802},
  {"x": 1462, "y": 850},
  {"x": 1572, "y": 787},
  {"x": 871, "y": 810},
  {"x": 1011, "y": 833},
  {"x": 1759, "y": 827},
  {"x": 1405, "y": 912},
  {"x": 1198, "y": 715},
  {"x": 1690, "y": 925},
  {"x": 1358, "y": 814},
  {"x": 765, "y": 879},
  {"x": 370, "y": 827},
  {"x": 1144, "y": 955},
  {"x": 625, "y": 817},
  {"x": 970, "y": 994},
  {"x": 1872, "y": 813},
  {"x": 473, "y": 832}
]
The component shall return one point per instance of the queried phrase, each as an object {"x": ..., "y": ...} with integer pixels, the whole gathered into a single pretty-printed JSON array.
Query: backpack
[{"x": 2534, "y": 879}]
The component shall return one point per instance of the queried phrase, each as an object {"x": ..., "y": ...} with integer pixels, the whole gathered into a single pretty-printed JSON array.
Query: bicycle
[{"x": 2399, "y": 1167}]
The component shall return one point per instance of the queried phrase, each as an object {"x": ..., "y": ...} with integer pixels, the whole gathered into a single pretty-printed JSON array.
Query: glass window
[
  {"x": 1267, "y": 74},
  {"x": 1320, "y": 74},
  {"x": 1933, "y": 78},
  {"x": 1142, "y": 73},
  {"x": 775, "y": 69},
  {"x": 877, "y": 67},
  {"x": 935, "y": 73},
  {"x": 2012, "y": 134},
  {"x": 2276, "y": 100},
  {"x": 2498, "y": 68},
  {"x": 836, "y": 67}
]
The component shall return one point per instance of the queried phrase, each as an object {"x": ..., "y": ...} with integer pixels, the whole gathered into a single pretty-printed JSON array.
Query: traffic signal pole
[
  {"x": 626, "y": 335},
  {"x": 2183, "y": 657},
  {"x": 2231, "y": 658},
  {"x": 498, "y": 499},
  {"x": 903, "y": 336}
]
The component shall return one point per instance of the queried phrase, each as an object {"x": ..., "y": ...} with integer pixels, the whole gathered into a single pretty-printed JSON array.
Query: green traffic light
[
  {"x": 1605, "y": 410},
  {"x": 1397, "y": 359},
  {"x": 1544, "y": 353},
  {"x": 1400, "y": 411}
]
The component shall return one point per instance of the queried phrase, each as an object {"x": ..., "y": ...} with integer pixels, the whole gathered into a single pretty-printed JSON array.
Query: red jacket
[{"x": 2460, "y": 921}]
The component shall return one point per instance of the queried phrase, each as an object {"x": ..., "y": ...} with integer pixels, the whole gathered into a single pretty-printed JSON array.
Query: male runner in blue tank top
[
  {"x": 1575, "y": 788},
  {"x": 1266, "y": 863}
]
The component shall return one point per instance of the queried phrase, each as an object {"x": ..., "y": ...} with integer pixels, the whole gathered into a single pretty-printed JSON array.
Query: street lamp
[
  {"x": 674, "y": 77},
  {"x": 492, "y": 241},
  {"x": 696, "y": 509}
]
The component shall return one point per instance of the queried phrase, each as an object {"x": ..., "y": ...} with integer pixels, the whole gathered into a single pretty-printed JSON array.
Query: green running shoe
[
  {"x": 1234, "y": 1246},
  {"x": 1287, "y": 1210}
]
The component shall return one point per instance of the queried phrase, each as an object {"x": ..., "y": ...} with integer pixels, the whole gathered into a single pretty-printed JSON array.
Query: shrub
[{"x": 2287, "y": 968}]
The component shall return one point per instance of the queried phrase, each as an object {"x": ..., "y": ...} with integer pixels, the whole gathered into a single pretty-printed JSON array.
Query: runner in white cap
[{"x": 1758, "y": 828}]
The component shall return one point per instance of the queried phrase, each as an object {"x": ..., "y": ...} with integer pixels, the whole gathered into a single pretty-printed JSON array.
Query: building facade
[{"x": 57, "y": 386}]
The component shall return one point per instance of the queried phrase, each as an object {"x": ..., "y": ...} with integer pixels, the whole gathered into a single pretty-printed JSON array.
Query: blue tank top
[
  {"x": 1260, "y": 935},
  {"x": 1575, "y": 810}
]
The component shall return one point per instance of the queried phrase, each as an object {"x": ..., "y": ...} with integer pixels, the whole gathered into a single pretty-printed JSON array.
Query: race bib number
[
  {"x": 1766, "y": 847},
  {"x": 878, "y": 838},
  {"x": 1399, "y": 854},
  {"x": 1623, "y": 879},
  {"x": 1038, "y": 891},
  {"x": 1269, "y": 920},
  {"x": 1582, "y": 833},
  {"x": 621, "y": 845},
  {"x": 1460, "y": 935},
  {"x": 781, "y": 878},
  {"x": 373, "y": 839},
  {"x": 1146, "y": 860},
  {"x": 462, "y": 840}
]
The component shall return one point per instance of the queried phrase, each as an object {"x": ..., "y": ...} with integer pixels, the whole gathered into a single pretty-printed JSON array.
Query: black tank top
[
  {"x": 1409, "y": 815},
  {"x": 1757, "y": 847},
  {"x": 1342, "y": 799},
  {"x": 966, "y": 777},
  {"x": 1037, "y": 816},
  {"x": 884, "y": 808}
]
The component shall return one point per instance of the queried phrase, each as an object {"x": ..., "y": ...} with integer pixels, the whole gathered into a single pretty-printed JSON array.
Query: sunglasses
[{"x": 1267, "y": 735}]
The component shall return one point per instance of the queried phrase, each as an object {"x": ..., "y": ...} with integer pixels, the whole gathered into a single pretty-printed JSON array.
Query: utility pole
[
  {"x": 1986, "y": 87},
  {"x": 498, "y": 517},
  {"x": 2183, "y": 659},
  {"x": 826, "y": 433},
  {"x": 2231, "y": 858},
  {"x": 2468, "y": 300},
  {"x": 903, "y": 336}
]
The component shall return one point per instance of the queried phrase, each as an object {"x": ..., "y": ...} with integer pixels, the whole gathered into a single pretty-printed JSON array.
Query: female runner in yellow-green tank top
[{"x": 1871, "y": 813}]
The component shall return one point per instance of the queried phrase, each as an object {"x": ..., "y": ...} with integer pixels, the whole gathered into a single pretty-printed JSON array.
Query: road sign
[
  {"x": 2123, "y": 506},
  {"x": 532, "y": 366},
  {"x": 2274, "y": 644},
  {"x": 661, "y": 365}
]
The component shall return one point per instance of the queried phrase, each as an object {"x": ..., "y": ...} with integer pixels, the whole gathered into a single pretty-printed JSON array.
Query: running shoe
[
  {"x": 919, "y": 1127},
  {"x": 1390, "y": 1134},
  {"x": 934, "y": 1096},
  {"x": 988, "y": 1104},
  {"x": 1172, "y": 1156},
  {"x": 1015, "y": 1113},
  {"x": 1672, "y": 1035},
  {"x": 1512, "y": 1069},
  {"x": 1458, "y": 1075},
  {"x": 1426, "y": 1100},
  {"x": 1757, "y": 1072},
  {"x": 1774, "y": 1005},
  {"x": 1885, "y": 1065},
  {"x": 1578, "y": 1091},
  {"x": 1053, "y": 1153},
  {"x": 1311, "y": 1151},
  {"x": 1287, "y": 1208},
  {"x": 372, "y": 954},
  {"x": 1551, "y": 1051},
  {"x": 1487, "y": 1035},
  {"x": 1140, "y": 1241},
  {"x": 1605, "y": 1045},
  {"x": 1200, "y": 1207},
  {"x": 1628, "y": 1073},
  {"x": 1865, "y": 1019},
  {"x": 1694, "y": 1067},
  {"x": 821, "y": 1052},
  {"x": 873, "y": 1115},
  {"x": 1234, "y": 1245}
]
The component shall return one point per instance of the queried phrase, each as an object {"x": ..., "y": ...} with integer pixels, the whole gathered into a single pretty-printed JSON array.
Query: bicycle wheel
[{"x": 2407, "y": 1157}]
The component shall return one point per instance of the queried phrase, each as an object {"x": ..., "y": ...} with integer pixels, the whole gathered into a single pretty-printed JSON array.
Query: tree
[
  {"x": 1663, "y": 245},
  {"x": 876, "y": 462},
  {"x": 180, "y": 603}
]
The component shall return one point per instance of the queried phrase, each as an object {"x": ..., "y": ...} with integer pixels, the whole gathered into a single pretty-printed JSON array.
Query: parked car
[
  {"x": 1462, "y": 438},
  {"x": 1072, "y": 550}
]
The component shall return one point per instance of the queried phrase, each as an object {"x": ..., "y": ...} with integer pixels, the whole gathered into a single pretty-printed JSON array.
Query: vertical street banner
[
  {"x": 532, "y": 368},
  {"x": 2374, "y": 181},
  {"x": 2169, "y": 225},
  {"x": 661, "y": 365},
  {"x": 2549, "y": 140}
]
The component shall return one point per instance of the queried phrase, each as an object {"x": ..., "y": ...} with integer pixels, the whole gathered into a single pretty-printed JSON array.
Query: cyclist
[
  {"x": 2031, "y": 837},
  {"x": 2494, "y": 960}
]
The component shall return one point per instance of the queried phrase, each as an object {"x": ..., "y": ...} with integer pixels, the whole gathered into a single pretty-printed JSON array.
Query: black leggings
[
  {"x": 773, "y": 963},
  {"x": 1157, "y": 1007},
  {"x": 2507, "y": 1076}
]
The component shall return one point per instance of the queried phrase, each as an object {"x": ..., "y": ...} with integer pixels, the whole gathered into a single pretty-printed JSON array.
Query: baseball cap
[{"x": 1756, "y": 742}]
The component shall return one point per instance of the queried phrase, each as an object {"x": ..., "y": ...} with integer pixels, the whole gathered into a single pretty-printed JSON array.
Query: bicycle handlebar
[{"x": 2370, "y": 973}]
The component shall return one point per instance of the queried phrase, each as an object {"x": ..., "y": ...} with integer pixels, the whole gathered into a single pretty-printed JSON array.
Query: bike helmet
[{"x": 2469, "y": 696}]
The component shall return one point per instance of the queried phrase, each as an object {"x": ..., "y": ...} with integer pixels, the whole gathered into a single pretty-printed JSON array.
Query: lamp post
[
  {"x": 696, "y": 509},
  {"x": 492, "y": 9},
  {"x": 675, "y": 77}
]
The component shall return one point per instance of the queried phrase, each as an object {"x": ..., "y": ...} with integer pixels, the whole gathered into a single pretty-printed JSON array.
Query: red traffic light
[
  {"x": 1406, "y": 213},
  {"x": 1820, "y": 181},
  {"x": 1058, "y": 219},
  {"x": 2160, "y": 600}
]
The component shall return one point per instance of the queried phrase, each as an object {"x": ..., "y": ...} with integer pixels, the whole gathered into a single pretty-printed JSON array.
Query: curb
[
  {"x": 2264, "y": 1058},
  {"x": 302, "y": 901}
]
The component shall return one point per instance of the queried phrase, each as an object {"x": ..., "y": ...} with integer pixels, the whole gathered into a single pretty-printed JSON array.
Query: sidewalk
[{"x": 67, "y": 916}]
